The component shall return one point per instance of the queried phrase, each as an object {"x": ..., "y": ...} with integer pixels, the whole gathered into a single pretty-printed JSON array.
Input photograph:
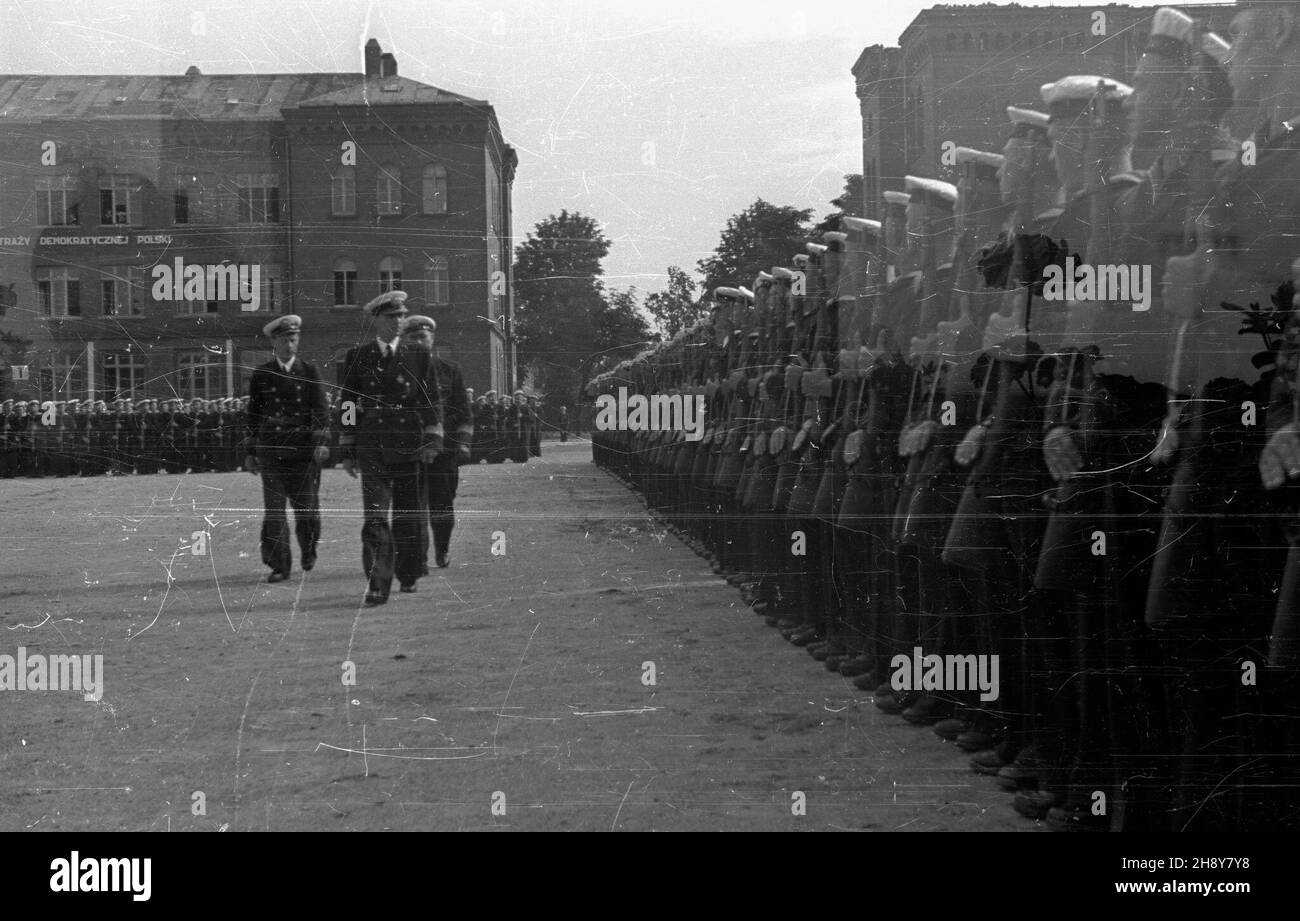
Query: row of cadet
[
  {"x": 96, "y": 438},
  {"x": 919, "y": 443}
]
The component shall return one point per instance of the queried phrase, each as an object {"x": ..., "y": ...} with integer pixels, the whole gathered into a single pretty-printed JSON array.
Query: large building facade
[
  {"x": 957, "y": 68},
  {"x": 316, "y": 191}
]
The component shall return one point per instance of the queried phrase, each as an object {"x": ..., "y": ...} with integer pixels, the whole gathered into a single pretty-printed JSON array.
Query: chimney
[
  {"x": 387, "y": 65},
  {"x": 372, "y": 58}
]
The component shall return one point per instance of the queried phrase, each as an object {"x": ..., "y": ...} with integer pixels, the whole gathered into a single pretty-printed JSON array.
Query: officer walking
[
  {"x": 393, "y": 392},
  {"x": 438, "y": 480},
  {"x": 287, "y": 441}
]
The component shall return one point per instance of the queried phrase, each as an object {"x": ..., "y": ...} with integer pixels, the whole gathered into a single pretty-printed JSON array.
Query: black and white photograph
[{"x": 551, "y": 415}]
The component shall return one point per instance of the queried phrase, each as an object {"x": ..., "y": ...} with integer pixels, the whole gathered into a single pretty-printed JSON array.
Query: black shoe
[
  {"x": 408, "y": 587},
  {"x": 444, "y": 560},
  {"x": 375, "y": 598},
  {"x": 308, "y": 561},
  {"x": 277, "y": 576}
]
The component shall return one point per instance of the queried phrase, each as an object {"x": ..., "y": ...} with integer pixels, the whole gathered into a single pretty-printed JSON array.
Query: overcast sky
[{"x": 659, "y": 118}]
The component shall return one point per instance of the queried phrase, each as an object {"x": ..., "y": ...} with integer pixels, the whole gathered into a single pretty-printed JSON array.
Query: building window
[
  {"x": 966, "y": 42},
  {"x": 388, "y": 190},
  {"x": 984, "y": 41},
  {"x": 63, "y": 377},
  {"x": 59, "y": 292},
  {"x": 259, "y": 198},
  {"x": 123, "y": 374},
  {"x": 123, "y": 290},
  {"x": 390, "y": 274},
  {"x": 343, "y": 192},
  {"x": 54, "y": 200},
  {"x": 199, "y": 307},
  {"x": 438, "y": 284},
  {"x": 119, "y": 200},
  {"x": 434, "y": 189},
  {"x": 197, "y": 376},
  {"x": 195, "y": 198},
  {"x": 345, "y": 283}
]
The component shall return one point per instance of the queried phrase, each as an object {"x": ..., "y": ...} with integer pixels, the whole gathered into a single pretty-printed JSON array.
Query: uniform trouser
[
  {"x": 394, "y": 549},
  {"x": 438, "y": 482},
  {"x": 298, "y": 482}
]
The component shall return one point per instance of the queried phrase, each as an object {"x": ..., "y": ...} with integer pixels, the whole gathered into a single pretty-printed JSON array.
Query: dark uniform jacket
[
  {"x": 457, "y": 416},
  {"x": 287, "y": 413},
  {"x": 396, "y": 402}
]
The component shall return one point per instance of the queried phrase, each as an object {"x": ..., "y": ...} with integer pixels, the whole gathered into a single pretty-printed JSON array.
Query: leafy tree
[
  {"x": 847, "y": 202},
  {"x": 558, "y": 287},
  {"x": 761, "y": 236},
  {"x": 677, "y": 306}
]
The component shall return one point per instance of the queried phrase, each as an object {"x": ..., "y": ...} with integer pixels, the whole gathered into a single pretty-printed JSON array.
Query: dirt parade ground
[{"x": 592, "y": 673}]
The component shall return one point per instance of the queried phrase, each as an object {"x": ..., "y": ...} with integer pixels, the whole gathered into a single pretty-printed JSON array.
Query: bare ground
[{"x": 512, "y": 679}]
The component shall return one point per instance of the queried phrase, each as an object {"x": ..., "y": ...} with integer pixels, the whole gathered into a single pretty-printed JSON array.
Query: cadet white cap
[
  {"x": 1029, "y": 117},
  {"x": 834, "y": 236},
  {"x": 933, "y": 190},
  {"x": 1215, "y": 47},
  {"x": 861, "y": 225},
  {"x": 801, "y": 260},
  {"x": 983, "y": 157},
  {"x": 726, "y": 292},
  {"x": 782, "y": 274},
  {"x": 897, "y": 198},
  {"x": 746, "y": 294},
  {"x": 1171, "y": 23},
  {"x": 763, "y": 277},
  {"x": 290, "y": 323},
  {"x": 388, "y": 302},
  {"x": 815, "y": 249},
  {"x": 1081, "y": 88}
]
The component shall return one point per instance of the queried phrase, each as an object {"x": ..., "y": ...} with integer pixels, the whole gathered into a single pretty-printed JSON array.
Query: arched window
[
  {"x": 438, "y": 286},
  {"x": 388, "y": 189},
  {"x": 434, "y": 189},
  {"x": 343, "y": 192},
  {"x": 390, "y": 274},
  {"x": 345, "y": 283}
]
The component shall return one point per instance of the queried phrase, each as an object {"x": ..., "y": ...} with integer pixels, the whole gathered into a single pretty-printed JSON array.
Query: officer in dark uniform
[
  {"x": 287, "y": 441},
  {"x": 438, "y": 480},
  {"x": 393, "y": 392}
]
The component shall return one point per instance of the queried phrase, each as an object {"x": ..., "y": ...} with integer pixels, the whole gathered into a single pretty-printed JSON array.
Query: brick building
[
  {"x": 957, "y": 68},
  {"x": 335, "y": 186}
]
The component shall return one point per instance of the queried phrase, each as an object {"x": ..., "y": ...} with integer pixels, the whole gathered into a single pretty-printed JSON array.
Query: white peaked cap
[
  {"x": 1172, "y": 23},
  {"x": 764, "y": 276},
  {"x": 1080, "y": 87},
  {"x": 834, "y": 236},
  {"x": 782, "y": 273},
  {"x": 726, "y": 292},
  {"x": 1213, "y": 45},
  {"x": 860, "y": 224},
  {"x": 1030, "y": 117},
  {"x": 815, "y": 249},
  {"x": 937, "y": 187},
  {"x": 971, "y": 155},
  {"x": 746, "y": 294},
  {"x": 897, "y": 198}
]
